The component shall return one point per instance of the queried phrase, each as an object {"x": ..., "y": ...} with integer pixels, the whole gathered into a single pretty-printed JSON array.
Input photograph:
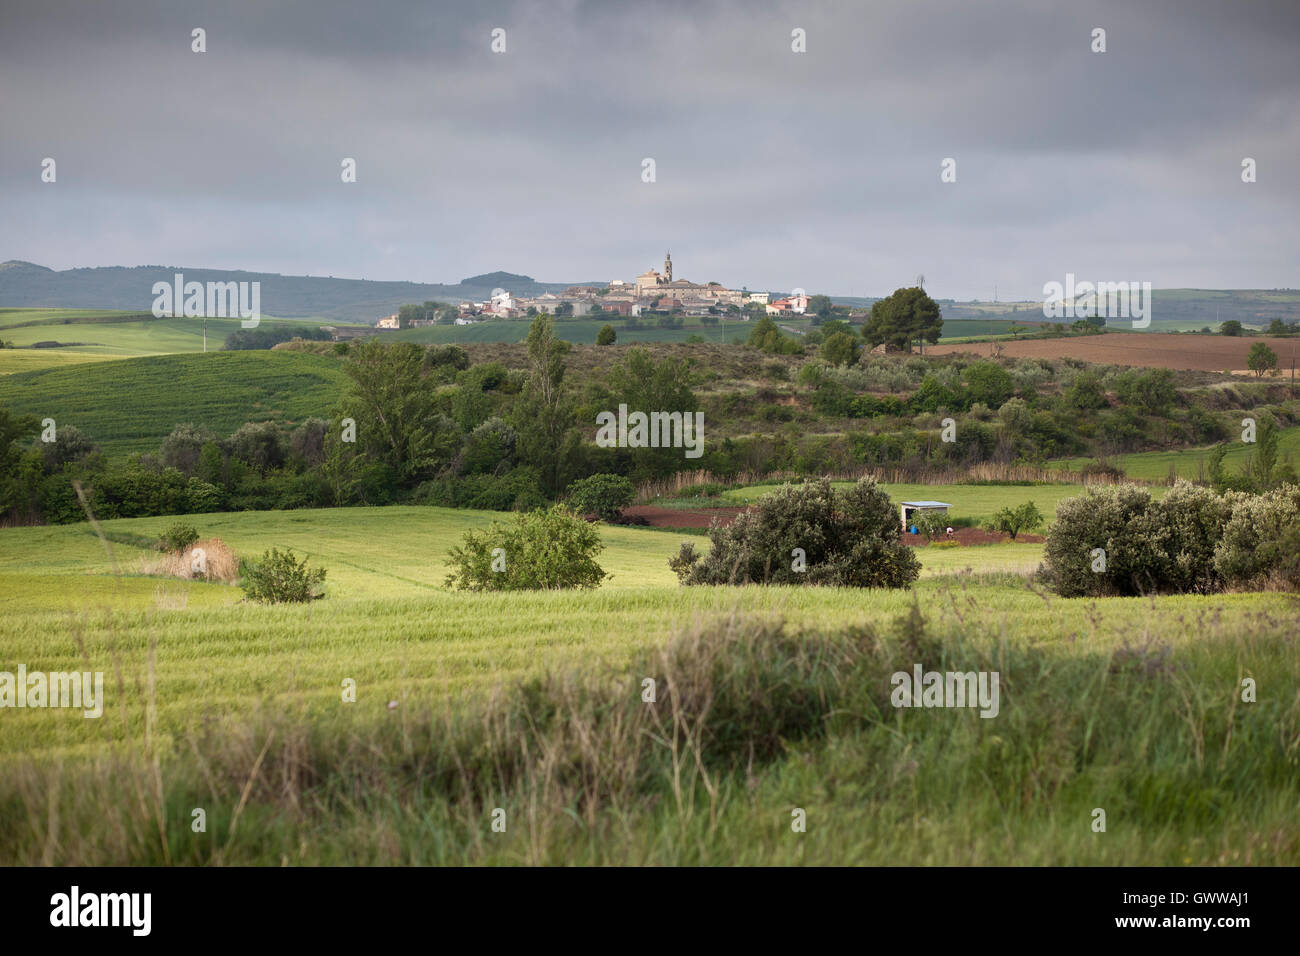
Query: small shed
[{"x": 908, "y": 507}]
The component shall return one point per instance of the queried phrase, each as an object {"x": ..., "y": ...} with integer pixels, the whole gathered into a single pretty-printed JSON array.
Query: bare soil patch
[{"x": 1204, "y": 353}]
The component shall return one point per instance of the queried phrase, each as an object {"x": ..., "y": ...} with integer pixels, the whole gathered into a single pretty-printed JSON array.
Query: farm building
[{"x": 908, "y": 507}]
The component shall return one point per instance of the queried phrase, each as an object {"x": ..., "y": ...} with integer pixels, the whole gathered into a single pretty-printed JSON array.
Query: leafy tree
[
  {"x": 259, "y": 445},
  {"x": 767, "y": 336},
  {"x": 16, "y": 481},
  {"x": 180, "y": 449},
  {"x": 989, "y": 383},
  {"x": 645, "y": 385},
  {"x": 70, "y": 445},
  {"x": 906, "y": 317},
  {"x": 1151, "y": 391},
  {"x": 1230, "y": 327},
  {"x": 1012, "y": 521},
  {"x": 841, "y": 349},
  {"x": 546, "y": 418},
  {"x": 1085, "y": 392},
  {"x": 603, "y": 495},
  {"x": 397, "y": 417},
  {"x": 820, "y": 305},
  {"x": 606, "y": 335},
  {"x": 1261, "y": 359},
  {"x": 307, "y": 442},
  {"x": 547, "y": 549},
  {"x": 1278, "y": 327}
]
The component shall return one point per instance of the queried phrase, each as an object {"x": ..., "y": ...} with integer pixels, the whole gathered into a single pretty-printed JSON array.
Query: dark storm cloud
[{"x": 775, "y": 169}]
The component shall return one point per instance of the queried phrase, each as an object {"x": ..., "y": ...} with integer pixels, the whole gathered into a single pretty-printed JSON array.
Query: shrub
[
  {"x": 1258, "y": 545},
  {"x": 849, "y": 538},
  {"x": 989, "y": 384},
  {"x": 280, "y": 578},
  {"x": 549, "y": 549},
  {"x": 1149, "y": 546},
  {"x": 178, "y": 537},
  {"x": 1101, "y": 468},
  {"x": 450, "y": 356},
  {"x": 606, "y": 335},
  {"x": 604, "y": 496},
  {"x": 517, "y": 490},
  {"x": 841, "y": 348}
]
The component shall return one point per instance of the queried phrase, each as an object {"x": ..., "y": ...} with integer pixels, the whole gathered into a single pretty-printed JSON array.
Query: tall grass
[{"x": 751, "y": 720}]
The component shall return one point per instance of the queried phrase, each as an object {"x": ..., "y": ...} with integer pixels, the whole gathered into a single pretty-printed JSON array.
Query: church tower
[{"x": 668, "y": 267}]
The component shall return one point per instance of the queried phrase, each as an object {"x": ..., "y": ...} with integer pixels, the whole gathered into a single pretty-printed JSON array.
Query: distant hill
[{"x": 27, "y": 285}]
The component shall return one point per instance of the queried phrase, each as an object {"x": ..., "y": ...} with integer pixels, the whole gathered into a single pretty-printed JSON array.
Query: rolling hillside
[{"x": 132, "y": 405}]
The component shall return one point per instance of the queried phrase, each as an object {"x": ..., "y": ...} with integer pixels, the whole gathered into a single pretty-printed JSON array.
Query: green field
[
  {"x": 976, "y": 502},
  {"x": 225, "y": 695},
  {"x": 389, "y": 619},
  {"x": 133, "y": 404},
  {"x": 94, "y": 335},
  {"x": 1190, "y": 463}
]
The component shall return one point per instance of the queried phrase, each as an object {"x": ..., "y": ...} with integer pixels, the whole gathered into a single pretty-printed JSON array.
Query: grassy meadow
[
  {"x": 90, "y": 335},
  {"x": 530, "y": 702},
  {"x": 133, "y": 404},
  {"x": 1190, "y": 463}
]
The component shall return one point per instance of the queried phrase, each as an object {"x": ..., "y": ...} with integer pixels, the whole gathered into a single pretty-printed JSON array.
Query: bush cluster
[
  {"x": 1120, "y": 541},
  {"x": 280, "y": 578},
  {"x": 850, "y": 538},
  {"x": 547, "y": 549}
]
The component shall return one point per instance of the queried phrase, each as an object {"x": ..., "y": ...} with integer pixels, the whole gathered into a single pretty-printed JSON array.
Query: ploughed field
[{"x": 1205, "y": 353}]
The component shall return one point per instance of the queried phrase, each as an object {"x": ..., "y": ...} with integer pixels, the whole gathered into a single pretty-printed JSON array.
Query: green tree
[
  {"x": 546, "y": 418},
  {"x": 989, "y": 383},
  {"x": 645, "y": 385},
  {"x": 1085, "y": 392},
  {"x": 606, "y": 335},
  {"x": 1230, "y": 327},
  {"x": 841, "y": 349},
  {"x": 905, "y": 318},
  {"x": 767, "y": 336},
  {"x": 820, "y": 305},
  {"x": 397, "y": 418},
  {"x": 1013, "y": 521},
  {"x": 1261, "y": 359},
  {"x": 604, "y": 496}
]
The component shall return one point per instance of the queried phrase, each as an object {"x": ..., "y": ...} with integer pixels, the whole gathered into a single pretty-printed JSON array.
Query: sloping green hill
[
  {"x": 131, "y": 405},
  {"x": 84, "y": 335}
]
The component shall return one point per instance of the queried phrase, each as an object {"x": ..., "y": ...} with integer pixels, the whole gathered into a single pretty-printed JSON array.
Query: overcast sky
[{"x": 775, "y": 169}]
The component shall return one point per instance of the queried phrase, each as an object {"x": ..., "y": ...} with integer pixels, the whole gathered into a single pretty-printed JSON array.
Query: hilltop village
[{"x": 651, "y": 291}]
